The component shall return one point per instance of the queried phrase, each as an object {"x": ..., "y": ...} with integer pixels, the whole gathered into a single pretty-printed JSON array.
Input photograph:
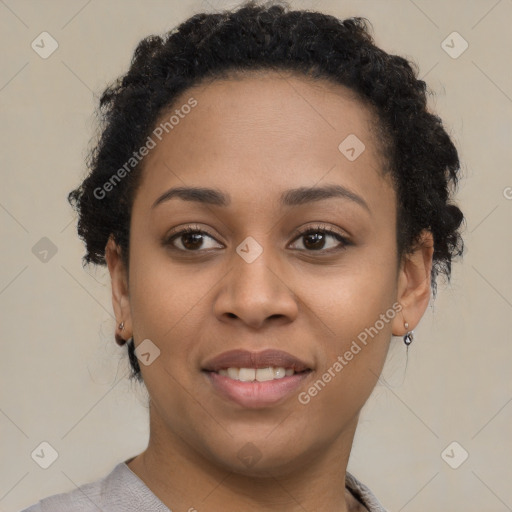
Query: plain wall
[{"x": 63, "y": 378}]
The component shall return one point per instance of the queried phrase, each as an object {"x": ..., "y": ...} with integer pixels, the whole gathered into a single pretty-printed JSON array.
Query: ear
[
  {"x": 120, "y": 296},
  {"x": 414, "y": 284}
]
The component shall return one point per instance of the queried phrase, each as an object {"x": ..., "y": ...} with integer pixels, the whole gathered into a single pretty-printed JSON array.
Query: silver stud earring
[{"x": 121, "y": 326}]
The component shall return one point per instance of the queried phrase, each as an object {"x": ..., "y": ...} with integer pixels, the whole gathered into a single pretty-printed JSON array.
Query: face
[{"x": 290, "y": 262}]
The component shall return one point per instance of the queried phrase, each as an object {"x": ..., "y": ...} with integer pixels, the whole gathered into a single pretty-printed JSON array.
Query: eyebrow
[{"x": 292, "y": 197}]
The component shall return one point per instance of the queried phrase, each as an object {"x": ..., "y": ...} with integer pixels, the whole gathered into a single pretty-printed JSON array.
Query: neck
[{"x": 183, "y": 479}]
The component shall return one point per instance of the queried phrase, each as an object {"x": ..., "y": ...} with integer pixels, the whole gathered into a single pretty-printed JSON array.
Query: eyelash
[{"x": 300, "y": 233}]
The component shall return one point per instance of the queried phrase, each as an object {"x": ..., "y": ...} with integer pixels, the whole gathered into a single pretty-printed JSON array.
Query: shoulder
[
  {"x": 362, "y": 493},
  {"x": 89, "y": 497},
  {"x": 120, "y": 491}
]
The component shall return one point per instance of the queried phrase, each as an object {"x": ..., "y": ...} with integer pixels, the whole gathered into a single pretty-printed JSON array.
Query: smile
[{"x": 255, "y": 379}]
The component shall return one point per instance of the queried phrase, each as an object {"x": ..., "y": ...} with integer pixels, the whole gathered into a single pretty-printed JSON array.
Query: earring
[
  {"x": 118, "y": 338},
  {"x": 409, "y": 337}
]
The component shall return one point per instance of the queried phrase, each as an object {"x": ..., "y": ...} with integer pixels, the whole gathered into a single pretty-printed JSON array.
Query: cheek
[
  {"x": 357, "y": 308},
  {"x": 352, "y": 361},
  {"x": 165, "y": 301},
  {"x": 161, "y": 292},
  {"x": 167, "y": 308},
  {"x": 354, "y": 296}
]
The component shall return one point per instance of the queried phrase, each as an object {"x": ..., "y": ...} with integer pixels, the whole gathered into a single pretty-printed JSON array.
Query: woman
[{"x": 273, "y": 201}]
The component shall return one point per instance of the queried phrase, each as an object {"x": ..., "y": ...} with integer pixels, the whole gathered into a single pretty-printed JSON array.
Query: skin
[{"x": 310, "y": 303}]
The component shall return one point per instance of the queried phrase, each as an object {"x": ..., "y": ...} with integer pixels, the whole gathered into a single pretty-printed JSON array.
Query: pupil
[
  {"x": 195, "y": 244},
  {"x": 317, "y": 237}
]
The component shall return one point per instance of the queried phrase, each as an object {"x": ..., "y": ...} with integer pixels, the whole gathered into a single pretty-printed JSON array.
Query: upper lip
[{"x": 246, "y": 359}]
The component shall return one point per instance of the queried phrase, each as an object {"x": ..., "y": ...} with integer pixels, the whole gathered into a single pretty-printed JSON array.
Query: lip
[
  {"x": 247, "y": 359},
  {"x": 256, "y": 394}
]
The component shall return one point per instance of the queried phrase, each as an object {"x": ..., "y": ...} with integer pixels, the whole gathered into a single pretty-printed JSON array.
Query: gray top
[{"x": 123, "y": 491}]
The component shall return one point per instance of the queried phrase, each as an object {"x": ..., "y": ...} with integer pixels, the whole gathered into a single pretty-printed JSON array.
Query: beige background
[{"x": 64, "y": 379}]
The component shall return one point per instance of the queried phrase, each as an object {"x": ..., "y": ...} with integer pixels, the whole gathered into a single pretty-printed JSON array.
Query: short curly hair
[{"x": 420, "y": 155}]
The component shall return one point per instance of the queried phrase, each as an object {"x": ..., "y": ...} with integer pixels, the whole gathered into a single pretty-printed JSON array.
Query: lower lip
[{"x": 256, "y": 394}]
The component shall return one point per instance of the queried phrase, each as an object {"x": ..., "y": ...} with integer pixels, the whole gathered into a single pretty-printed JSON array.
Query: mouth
[{"x": 255, "y": 379}]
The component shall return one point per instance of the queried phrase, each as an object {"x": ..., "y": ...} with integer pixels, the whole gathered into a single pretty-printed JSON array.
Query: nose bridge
[
  {"x": 251, "y": 268},
  {"x": 254, "y": 289}
]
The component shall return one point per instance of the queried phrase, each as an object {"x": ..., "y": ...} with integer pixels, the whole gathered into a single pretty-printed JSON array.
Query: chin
[{"x": 261, "y": 459}]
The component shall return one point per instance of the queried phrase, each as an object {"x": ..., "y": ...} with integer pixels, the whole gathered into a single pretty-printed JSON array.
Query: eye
[
  {"x": 315, "y": 239},
  {"x": 191, "y": 239}
]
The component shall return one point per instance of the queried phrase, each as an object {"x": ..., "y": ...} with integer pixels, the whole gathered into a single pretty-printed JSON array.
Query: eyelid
[
  {"x": 343, "y": 238},
  {"x": 182, "y": 230},
  {"x": 321, "y": 227}
]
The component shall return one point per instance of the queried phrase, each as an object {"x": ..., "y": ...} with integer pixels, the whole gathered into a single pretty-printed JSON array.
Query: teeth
[
  {"x": 259, "y": 374},
  {"x": 279, "y": 373},
  {"x": 233, "y": 373},
  {"x": 246, "y": 374},
  {"x": 264, "y": 374}
]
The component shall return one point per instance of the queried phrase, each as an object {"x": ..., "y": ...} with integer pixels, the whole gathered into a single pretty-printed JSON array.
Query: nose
[{"x": 257, "y": 292}]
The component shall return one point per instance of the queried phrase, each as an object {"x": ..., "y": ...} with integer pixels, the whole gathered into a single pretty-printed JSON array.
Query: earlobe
[
  {"x": 120, "y": 295},
  {"x": 414, "y": 284}
]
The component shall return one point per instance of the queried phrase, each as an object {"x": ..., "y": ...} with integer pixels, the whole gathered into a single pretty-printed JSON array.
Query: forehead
[{"x": 266, "y": 130}]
